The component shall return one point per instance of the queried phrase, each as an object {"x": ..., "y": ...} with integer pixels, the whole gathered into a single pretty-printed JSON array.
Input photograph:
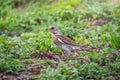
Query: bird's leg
[{"x": 66, "y": 50}]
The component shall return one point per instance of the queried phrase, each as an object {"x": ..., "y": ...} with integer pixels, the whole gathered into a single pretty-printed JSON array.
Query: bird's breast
[{"x": 56, "y": 40}]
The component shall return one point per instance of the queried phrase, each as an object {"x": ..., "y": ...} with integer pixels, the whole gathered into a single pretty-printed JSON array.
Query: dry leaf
[{"x": 87, "y": 59}]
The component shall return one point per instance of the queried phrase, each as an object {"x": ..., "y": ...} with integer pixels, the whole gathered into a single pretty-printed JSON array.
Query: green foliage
[
  {"x": 116, "y": 11},
  {"x": 70, "y": 32},
  {"x": 63, "y": 73},
  {"x": 26, "y": 45},
  {"x": 85, "y": 71},
  {"x": 23, "y": 35},
  {"x": 94, "y": 9},
  {"x": 114, "y": 68},
  {"x": 92, "y": 71},
  {"x": 8, "y": 65},
  {"x": 113, "y": 38},
  {"x": 15, "y": 47}
]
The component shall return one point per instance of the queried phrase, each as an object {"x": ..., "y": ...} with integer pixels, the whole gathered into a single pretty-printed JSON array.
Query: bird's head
[{"x": 54, "y": 30}]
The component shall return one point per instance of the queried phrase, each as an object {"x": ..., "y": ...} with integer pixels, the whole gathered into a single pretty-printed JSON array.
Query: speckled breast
[{"x": 56, "y": 41}]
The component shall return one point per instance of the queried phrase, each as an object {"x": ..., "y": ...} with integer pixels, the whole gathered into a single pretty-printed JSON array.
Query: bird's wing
[{"x": 66, "y": 40}]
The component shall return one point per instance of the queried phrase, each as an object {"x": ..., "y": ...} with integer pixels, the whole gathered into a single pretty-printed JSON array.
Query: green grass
[
  {"x": 9, "y": 65},
  {"x": 23, "y": 35}
]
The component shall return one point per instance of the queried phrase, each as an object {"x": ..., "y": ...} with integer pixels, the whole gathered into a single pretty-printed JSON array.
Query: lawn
[{"x": 27, "y": 51}]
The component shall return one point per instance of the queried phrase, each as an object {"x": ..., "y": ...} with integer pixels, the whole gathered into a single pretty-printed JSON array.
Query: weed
[{"x": 13, "y": 66}]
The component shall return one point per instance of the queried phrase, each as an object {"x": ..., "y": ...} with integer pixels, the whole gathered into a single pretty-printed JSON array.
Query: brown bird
[{"x": 67, "y": 45}]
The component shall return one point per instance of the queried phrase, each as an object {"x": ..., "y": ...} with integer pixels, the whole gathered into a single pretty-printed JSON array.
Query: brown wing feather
[{"x": 67, "y": 40}]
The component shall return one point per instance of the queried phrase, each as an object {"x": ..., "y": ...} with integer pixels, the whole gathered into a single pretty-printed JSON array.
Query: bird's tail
[{"x": 80, "y": 48}]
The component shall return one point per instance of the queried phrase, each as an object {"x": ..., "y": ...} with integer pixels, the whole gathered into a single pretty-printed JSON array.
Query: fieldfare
[{"x": 67, "y": 45}]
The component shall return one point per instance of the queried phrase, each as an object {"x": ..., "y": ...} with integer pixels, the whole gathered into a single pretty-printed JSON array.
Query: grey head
[{"x": 54, "y": 30}]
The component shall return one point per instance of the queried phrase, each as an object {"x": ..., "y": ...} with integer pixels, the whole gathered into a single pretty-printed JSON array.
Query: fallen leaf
[
  {"x": 110, "y": 56},
  {"x": 118, "y": 53},
  {"x": 87, "y": 59},
  {"x": 50, "y": 55},
  {"x": 98, "y": 22}
]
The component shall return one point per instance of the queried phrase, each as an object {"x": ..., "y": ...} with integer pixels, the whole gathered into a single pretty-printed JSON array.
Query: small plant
[
  {"x": 64, "y": 73},
  {"x": 92, "y": 71},
  {"x": 8, "y": 65},
  {"x": 114, "y": 40},
  {"x": 116, "y": 11}
]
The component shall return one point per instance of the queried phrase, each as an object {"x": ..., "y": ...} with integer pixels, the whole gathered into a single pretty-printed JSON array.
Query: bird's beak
[{"x": 48, "y": 28}]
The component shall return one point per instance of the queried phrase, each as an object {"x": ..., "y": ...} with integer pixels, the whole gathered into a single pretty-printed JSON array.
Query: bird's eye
[{"x": 52, "y": 28}]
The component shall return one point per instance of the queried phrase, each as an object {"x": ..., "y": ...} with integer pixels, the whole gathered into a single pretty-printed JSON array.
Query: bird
[{"x": 67, "y": 45}]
